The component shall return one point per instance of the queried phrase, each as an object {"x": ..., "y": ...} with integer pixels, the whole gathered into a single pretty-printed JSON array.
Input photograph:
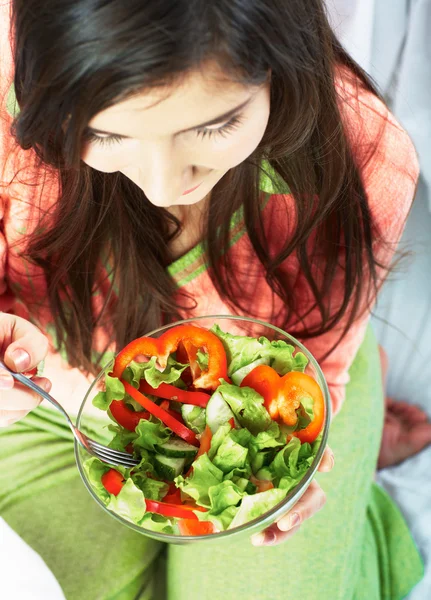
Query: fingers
[
  {"x": 328, "y": 461},
  {"x": 310, "y": 503},
  {"x": 272, "y": 536},
  {"x": 18, "y": 402},
  {"x": 25, "y": 346}
]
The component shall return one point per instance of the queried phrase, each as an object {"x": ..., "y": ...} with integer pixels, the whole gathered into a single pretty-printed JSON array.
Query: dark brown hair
[{"x": 74, "y": 58}]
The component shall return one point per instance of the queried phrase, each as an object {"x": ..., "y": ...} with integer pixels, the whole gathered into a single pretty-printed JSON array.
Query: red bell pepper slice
[
  {"x": 173, "y": 413},
  {"x": 173, "y": 496},
  {"x": 178, "y": 428},
  {"x": 195, "y": 527},
  {"x": 168, "y": 343},
  {"x": 170, "y": 392},
  {"x": 125, "y": 416},
  {"x": 232, "y": 423},
  {"x": 172, "y": 510},
  {"x": 112, "y": 481},
  {"x": 282, "y": 396}
]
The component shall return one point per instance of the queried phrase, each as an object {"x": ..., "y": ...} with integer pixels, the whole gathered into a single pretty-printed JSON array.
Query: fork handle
[{"x": 40, "y": 391}]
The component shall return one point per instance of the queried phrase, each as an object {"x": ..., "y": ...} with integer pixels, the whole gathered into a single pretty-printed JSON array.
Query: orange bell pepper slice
[
  {"x": 191, "y": 337},
  {"x": 193, "y": 527},
  {"x": 282, "y": 397}
]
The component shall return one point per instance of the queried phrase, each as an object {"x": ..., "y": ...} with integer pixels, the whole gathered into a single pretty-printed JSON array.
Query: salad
[{"x": 223, "y": 426}]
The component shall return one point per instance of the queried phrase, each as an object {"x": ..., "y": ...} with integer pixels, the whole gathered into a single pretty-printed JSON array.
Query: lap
[{"x": 326, "y": 558}]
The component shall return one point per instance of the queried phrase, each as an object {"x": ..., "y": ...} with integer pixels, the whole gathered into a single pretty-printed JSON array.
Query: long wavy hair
[{"x": 75, "y": 58}]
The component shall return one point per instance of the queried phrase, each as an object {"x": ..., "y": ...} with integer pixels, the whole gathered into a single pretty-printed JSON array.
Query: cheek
[{"x": 107, "y": 160}]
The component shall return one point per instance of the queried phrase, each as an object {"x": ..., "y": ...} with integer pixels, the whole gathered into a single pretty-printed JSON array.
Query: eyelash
[{"x": 223, "y": 131}]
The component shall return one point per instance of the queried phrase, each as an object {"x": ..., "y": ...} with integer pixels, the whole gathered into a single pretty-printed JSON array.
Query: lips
[{"x": 191, "y": 189}]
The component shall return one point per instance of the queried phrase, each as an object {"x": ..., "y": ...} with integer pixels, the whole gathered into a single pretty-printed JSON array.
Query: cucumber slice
[
  {"x": 194, "y": 417},
  {"x": 262, "y": 459},
  {"x": 176, "y": 448},
  {"x": 239, "y": 375},
  {"x": 218, "y": 412},
  {"x": 265, "y": 473},
  {"x": 168, "y": 467}
]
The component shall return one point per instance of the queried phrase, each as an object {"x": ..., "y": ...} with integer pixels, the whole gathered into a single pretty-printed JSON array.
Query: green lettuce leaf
[
  {"x": 122, "y": 437},
  {"x": 230, "y": 455},
  {"x": 95, "y": 469},
  {"x": 152, "y": 374},
  {"x": 171, "y": 374},
  {"x": 146, "y": 462},
  {"x": 243, "y": 350},
  {"x": 241, "y": 436},
  {"x": 304, "y": 418},
  {"x": 202, "y": 359},
  {"x": 240, "y": 350},
  {"x": 152, "y": 489},
  {"x": 223, "y": 495},
  {"x": 247, "y": 405},
  {"x": 217, "y": 439},
  {"x": 151, "y": 432},
  {"x": 155, "y": 522},
  {"x": 292, "y": 462},
  {"x": 244, "y": 484},
  {"x": 114, "y": 390},
  {"x": 282, "y": 358},
  {"x": 255, "y": 506},
  {"x": 129, "y": 504},
  {"x": 270, "y": 438},
  {"x": 204, "y": 476},
  {"x": 194, "y": 417},
  {"x": 238, "y": 473},
  {"x": 221, "y": 521}
]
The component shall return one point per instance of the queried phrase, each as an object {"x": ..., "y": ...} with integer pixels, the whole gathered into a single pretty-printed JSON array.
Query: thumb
[{"x": 25, "y": 344}]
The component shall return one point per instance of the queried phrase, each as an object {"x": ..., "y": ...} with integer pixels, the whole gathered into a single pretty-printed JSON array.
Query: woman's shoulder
[
  {"x": 382, "y": 150},
  {"x": 378, "y": 141}
]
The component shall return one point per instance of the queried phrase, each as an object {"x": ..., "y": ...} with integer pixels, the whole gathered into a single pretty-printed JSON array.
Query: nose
[{"x": 164, "y": 174}]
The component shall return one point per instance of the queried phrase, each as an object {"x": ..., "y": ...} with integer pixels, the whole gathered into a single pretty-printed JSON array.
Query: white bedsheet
[{"x": 23, "y": 574}]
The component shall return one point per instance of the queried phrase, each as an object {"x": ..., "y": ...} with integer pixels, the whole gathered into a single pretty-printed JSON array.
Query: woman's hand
[
  {"x": 310, "y": 503},
  {"x": 22, "y": 347}
]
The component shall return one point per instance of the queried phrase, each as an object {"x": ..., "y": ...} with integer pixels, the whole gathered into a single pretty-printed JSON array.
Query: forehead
[{"x": 196, "y": 98}]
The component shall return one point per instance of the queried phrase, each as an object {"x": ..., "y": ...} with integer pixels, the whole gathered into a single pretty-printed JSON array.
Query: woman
[{"x": 182, "y": 158}]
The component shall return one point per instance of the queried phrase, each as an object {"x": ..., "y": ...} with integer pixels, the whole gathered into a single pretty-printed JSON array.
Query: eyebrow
[{"x": 224, "y": 117}]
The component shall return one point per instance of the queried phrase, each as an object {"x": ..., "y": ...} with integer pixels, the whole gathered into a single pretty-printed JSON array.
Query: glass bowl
[{"x": 93, "y": 422}]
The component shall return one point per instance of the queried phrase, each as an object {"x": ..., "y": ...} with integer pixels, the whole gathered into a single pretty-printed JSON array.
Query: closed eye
[
  {"x": 103, "y": 140},
  {"x": 204, "y": 132},
  {"x": 223, "y": 131}
]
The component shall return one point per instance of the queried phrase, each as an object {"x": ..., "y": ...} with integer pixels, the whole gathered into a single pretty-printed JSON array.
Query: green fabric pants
[{"x": 357, "y": 548}]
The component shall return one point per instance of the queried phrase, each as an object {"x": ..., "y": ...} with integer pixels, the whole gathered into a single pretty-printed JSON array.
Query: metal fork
[{"x": 105, "y": 454}]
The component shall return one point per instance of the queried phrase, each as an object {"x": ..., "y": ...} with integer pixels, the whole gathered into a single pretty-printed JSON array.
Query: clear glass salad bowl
[{"x": 94, "y": 422}]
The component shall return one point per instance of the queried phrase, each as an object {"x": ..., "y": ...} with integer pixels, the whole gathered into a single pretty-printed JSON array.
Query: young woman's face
[{"x": 177, "y": 143}]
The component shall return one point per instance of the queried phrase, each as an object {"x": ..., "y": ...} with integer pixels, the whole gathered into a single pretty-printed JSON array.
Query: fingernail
[
  {"x": 46, "y": 385},
  {"x": 270, "y": 538},
  {"x": 292, "y": 521},
  {"x": 258, "y": 539},
  {"x": 6, "y": 381},
  {"x": 21, "y": 359}
]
